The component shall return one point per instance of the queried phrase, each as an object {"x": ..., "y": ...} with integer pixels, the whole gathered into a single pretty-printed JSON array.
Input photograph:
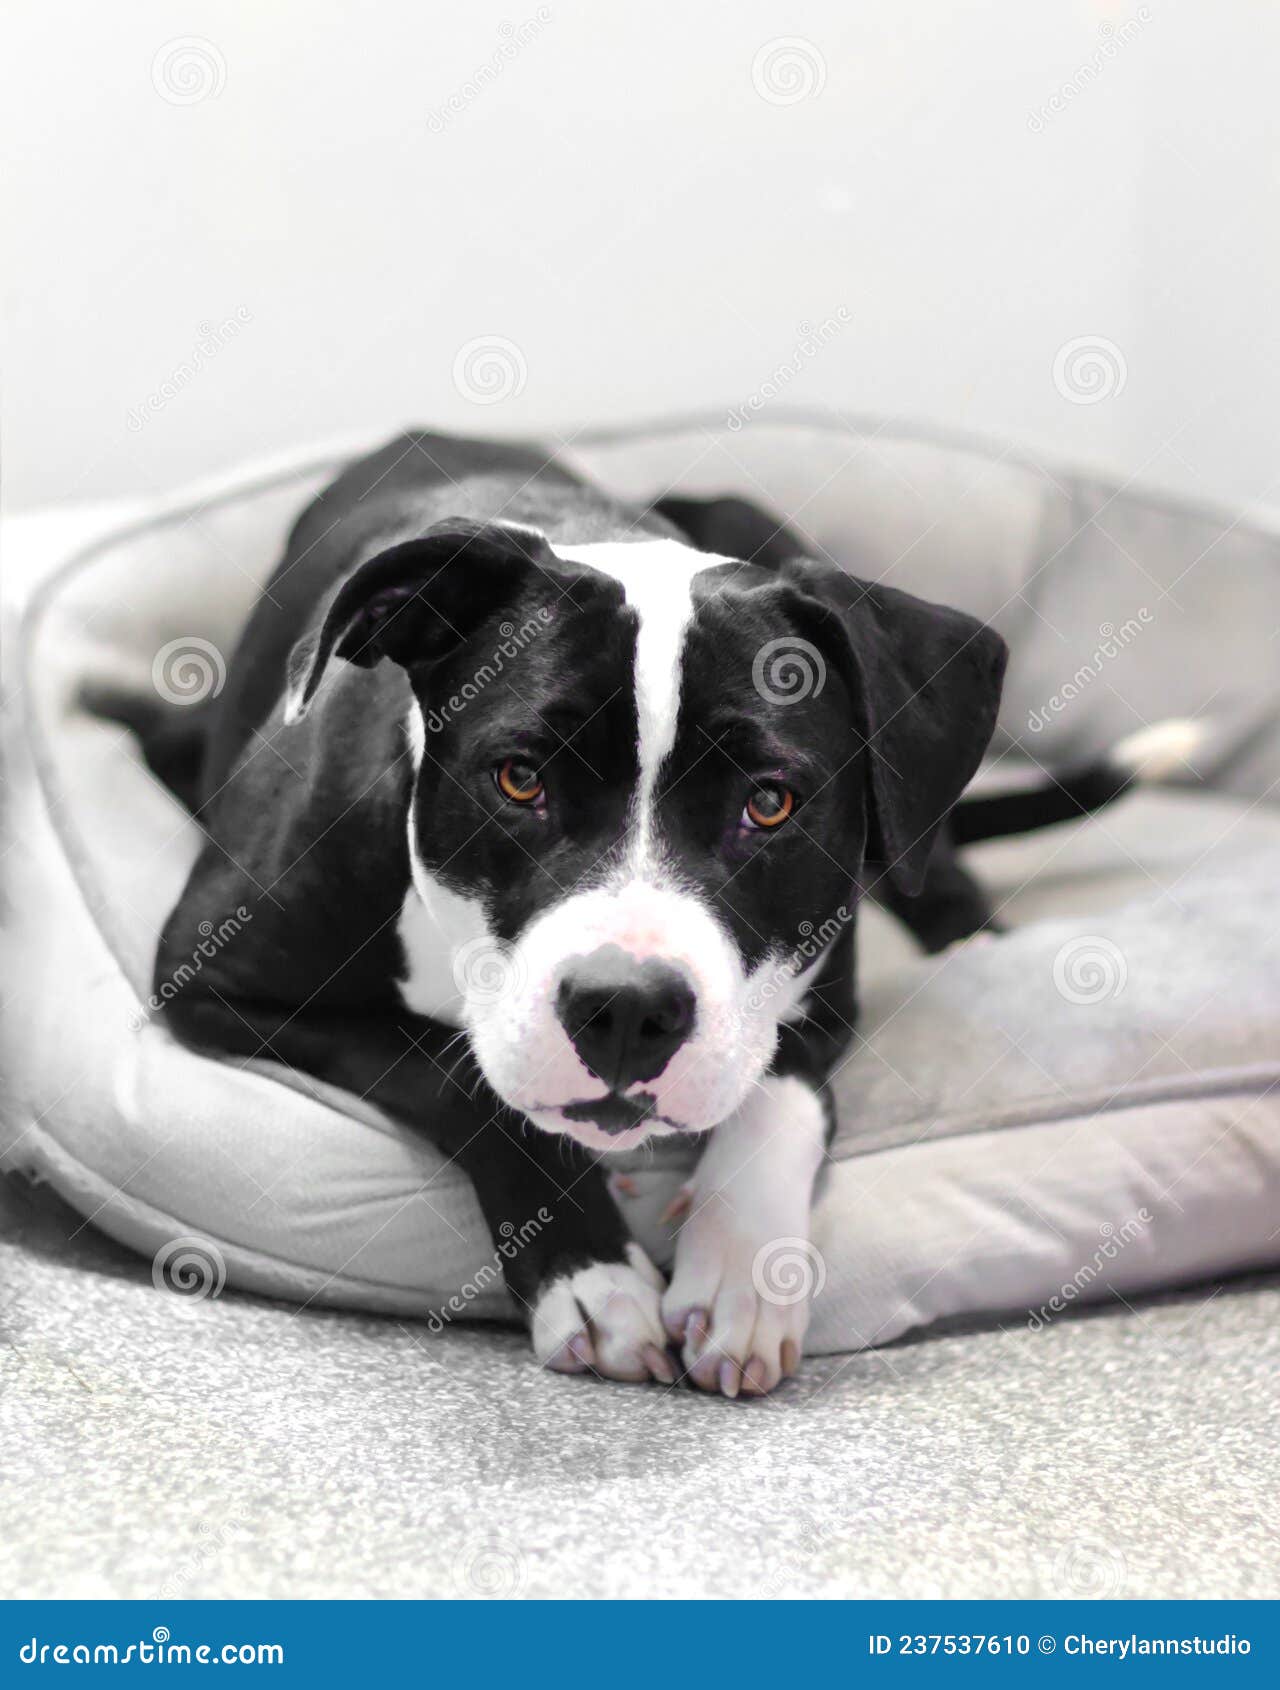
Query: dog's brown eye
[
  {"x": 769, "y": 806},
  {"x": 518, "y": 781}
]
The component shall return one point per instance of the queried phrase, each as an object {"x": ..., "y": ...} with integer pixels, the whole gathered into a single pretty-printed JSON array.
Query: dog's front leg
[
  {"x": 745, "y": 1269},
  {"x": 588, "y": 1291}
]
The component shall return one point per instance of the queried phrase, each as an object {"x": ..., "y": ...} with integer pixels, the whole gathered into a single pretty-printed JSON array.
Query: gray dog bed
[{"x": 1086, "y": 1105}]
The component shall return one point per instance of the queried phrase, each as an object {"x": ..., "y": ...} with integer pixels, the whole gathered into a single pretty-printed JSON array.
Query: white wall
[{"x": 624, "y": 206}]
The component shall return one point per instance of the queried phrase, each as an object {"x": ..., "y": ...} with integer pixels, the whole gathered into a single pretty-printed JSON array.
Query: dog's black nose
[{"x": 626, "y": 1019}]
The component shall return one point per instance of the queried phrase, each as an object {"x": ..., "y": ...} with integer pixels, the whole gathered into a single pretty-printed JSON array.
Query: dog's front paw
[
  {"x": 605, "y": 1318},
  {"x": 738, "y": 1303},
  {"x": 745, "y": 1270}
]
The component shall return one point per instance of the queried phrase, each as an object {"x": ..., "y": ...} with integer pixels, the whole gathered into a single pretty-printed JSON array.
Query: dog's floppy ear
[
  {"x": 416, "y": 600},
  {"x": 926, "y": 683}
]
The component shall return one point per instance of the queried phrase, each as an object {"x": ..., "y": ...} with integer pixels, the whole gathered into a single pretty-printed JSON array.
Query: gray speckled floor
[{"x": 155, "y": 1446}]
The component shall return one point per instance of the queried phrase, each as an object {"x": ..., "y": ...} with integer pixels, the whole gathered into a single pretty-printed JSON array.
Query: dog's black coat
[{"x": 405, "y": 567}]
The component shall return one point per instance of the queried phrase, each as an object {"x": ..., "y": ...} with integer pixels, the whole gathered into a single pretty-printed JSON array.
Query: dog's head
[{"x": 646, "y": 780}]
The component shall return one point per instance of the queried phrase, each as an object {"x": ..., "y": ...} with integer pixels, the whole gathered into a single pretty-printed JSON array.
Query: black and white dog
[{"x": 533, "y": 797}]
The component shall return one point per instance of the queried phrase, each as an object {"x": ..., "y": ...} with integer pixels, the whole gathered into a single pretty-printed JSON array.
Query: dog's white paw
[
  {"x": 738, "y": 1304},
  {"x": 605, "y": 1318},
  {"x": 745, "y": 1271}
]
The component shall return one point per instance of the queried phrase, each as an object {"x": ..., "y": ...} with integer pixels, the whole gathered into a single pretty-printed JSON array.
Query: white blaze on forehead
[{"x": 656, "y": 577}]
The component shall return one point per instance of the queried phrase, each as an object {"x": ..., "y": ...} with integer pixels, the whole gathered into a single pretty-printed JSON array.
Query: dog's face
[{"x": 645, "y": 781}]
